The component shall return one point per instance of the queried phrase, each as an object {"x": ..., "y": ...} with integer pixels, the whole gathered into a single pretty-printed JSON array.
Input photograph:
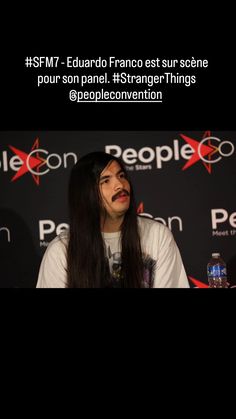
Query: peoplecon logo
[
  {"x": 5, "y": 234},
  {"x": 208, "y": 150},
  {"x": 48, "y": 229},
  {"x": 37, "y": 162},
  {"x": 171, "y": 222},
  {"x": 223, "y": 223},
  {"x": 197, "y": 283}
]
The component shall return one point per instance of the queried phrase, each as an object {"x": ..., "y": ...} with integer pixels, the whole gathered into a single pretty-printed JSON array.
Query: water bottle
[{"x": 216, "y": 272}]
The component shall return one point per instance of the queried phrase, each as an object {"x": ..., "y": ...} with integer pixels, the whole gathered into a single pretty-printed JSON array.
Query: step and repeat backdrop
[{"x": 185, "y": 180}]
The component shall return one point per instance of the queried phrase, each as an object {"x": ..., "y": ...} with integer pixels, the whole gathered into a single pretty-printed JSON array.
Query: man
[{"x": 108, "y": 245}]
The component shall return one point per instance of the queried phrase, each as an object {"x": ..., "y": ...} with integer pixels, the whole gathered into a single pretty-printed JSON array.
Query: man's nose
[{"x": 118, "y": 184}]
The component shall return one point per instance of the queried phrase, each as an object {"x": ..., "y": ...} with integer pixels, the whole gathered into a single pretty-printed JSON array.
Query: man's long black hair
[{"x": 87, "y": 265}]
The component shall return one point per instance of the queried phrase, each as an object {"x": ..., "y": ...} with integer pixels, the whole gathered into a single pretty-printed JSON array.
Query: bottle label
[{"x": 217, "y": 271}]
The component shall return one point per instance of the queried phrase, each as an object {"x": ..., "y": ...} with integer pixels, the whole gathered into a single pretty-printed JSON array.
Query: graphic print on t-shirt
[{"x": 116, "y": 269}]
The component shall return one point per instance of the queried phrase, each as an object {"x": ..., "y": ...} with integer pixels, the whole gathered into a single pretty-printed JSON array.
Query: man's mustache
[{"x": 118, "y": 194}]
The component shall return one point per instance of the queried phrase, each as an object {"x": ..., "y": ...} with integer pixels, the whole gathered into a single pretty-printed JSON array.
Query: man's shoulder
[
  {"x": 59, "y": 242},
  {"x": 151, "y": 226},
  {"x": 147, "y": 222}
]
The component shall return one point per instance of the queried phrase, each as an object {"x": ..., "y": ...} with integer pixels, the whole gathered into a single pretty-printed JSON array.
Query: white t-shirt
[{"x": 162, "y": 261}]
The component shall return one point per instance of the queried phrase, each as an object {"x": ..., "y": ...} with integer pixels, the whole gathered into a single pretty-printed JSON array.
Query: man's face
[{"x": 114, "y": 189}]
